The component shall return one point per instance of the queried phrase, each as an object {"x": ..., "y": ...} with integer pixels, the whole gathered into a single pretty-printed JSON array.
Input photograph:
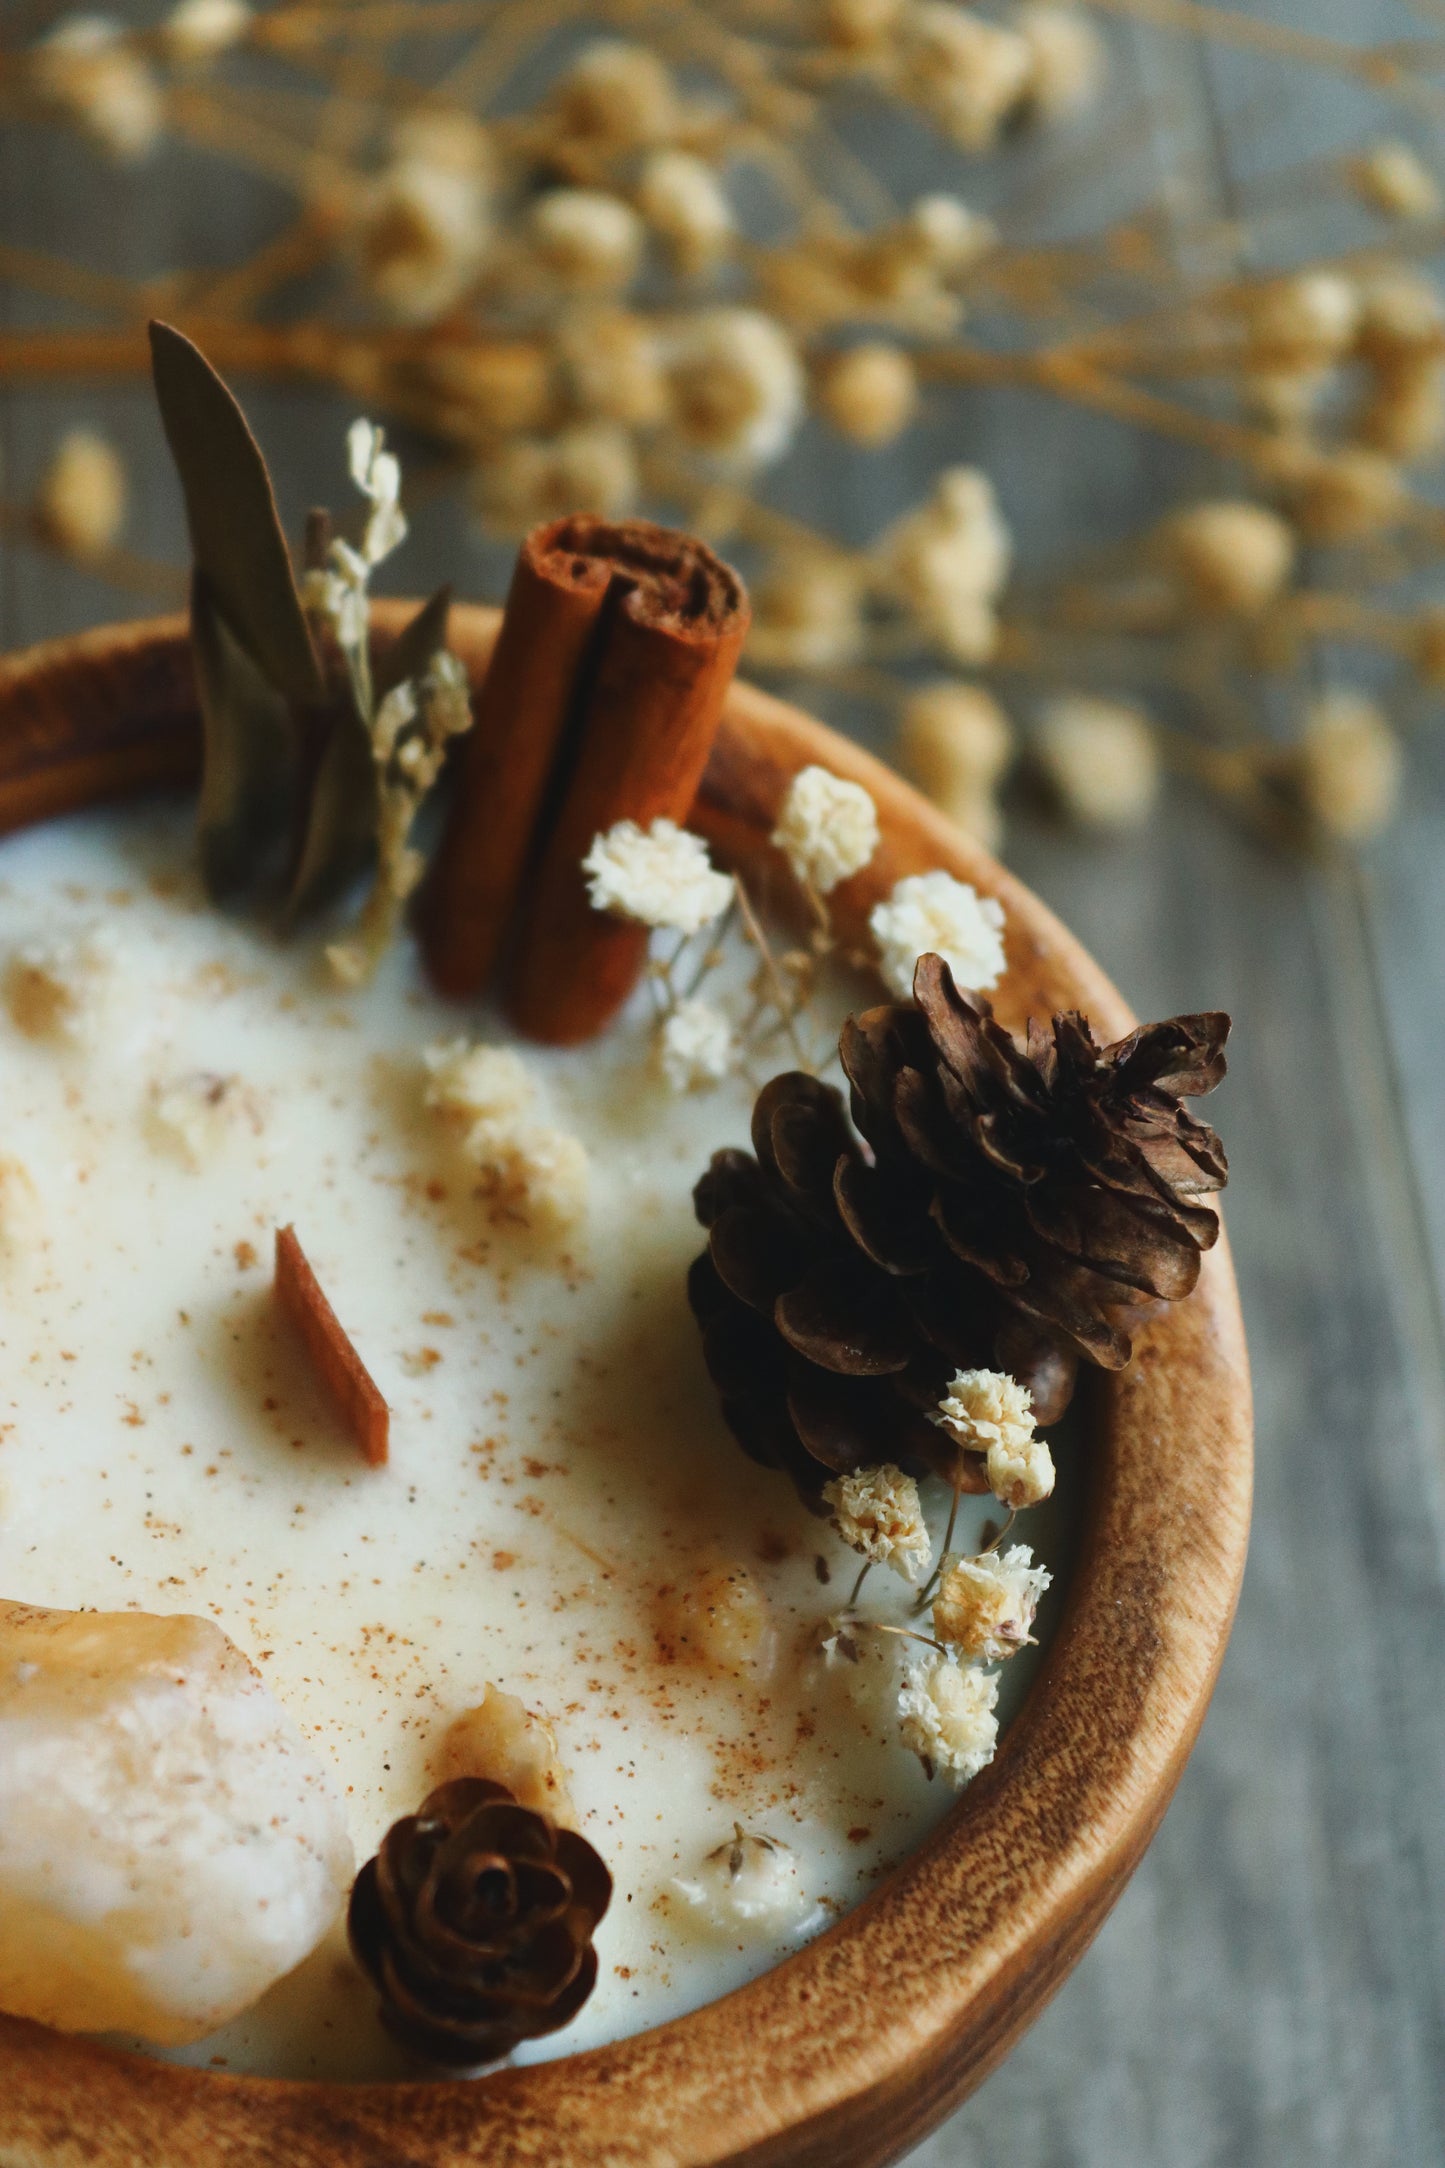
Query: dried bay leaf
[
  {"x": 342, "y": 811},
  {"x": 250, "y": 770}
]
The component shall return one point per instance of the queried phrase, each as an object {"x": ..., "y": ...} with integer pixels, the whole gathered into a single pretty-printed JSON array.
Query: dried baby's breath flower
[
  {"x": 656, "y": 876},
  {"x": 951, "y": 236},
  {"x": 423, "y": 230},
  {"x": 1303, "y": 321},
  {"x": 827, "y": 828},
  {"x": 956, "y": 742},
  {"x": 696, "y": 1046},
  {"x": 749, "y": 1885},
  {"x": 1394, "y": 180},
  {"x": 1404, "y": 415},
  {"x": 735, "y": 384},
  {"x": 87, "y": 71},
  {"x": 616, "y": 97},
  {"x": 870, "y": 393},
  {"x": 589, "y": 241},
  {"x": 946, "y": 562},
  {"x": 985, "y": 1606},
  {"x": 1229, "y": 558},
  {"x": 610, "y": 360},
  {"x": 80, "y": 501},
  {"x": 1020, "y": 1474},
  {"x": 807, "y": 614},
  {"x": 504, "y": 1741},
  {"x": 1402, "y": 316},
  {"x": 932, "y": 913},
  {"x": 1346, "y": 766},
  {"x": 966, "y": 73},
  {"x": 377, "y": 474},
  {"x": 948, "y": 1714},
  {"x": 538, "y": 478},
  {"x": 471, "y": 1084},
  {"x": 200, "y": 30},
  {"x": 683, "y": 200},
  {"x": 1345, "y": 496},
  {"x": 877, "y": 1513},
  {"x": 1099, "y": 760},
  {"x": 989, "y": 1412},
  {"x": 195, "y": 1115},
  {"x": 1066, "y": 58},
  {"x": 533, "y": 1172}
]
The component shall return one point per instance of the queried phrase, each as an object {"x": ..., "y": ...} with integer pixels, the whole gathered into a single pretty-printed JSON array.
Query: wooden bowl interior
[{"x": 857, "y": 2046}]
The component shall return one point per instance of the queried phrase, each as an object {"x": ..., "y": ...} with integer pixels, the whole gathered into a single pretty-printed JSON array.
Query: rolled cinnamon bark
[{"x": 616, "y": 650}]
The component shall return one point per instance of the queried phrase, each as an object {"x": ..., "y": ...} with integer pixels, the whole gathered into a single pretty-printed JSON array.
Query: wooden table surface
[{"x": 1270, "y": 1992}]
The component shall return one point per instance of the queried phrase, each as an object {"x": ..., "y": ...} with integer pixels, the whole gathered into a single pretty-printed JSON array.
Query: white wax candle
[{"x": 558, "y": 1464}]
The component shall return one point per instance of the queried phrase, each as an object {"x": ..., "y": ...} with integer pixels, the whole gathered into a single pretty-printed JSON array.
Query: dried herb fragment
[
  {"x": 1013, "y": 1208},
  {"x": 350, "y": 1384},
  {"x": 475, "y": 1922}
]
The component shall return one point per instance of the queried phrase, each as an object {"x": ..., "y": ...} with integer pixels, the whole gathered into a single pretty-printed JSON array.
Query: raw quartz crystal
[{"x": 169, "y": 1845}]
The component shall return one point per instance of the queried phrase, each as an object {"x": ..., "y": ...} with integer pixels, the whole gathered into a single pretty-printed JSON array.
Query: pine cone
[
  {"x": 475, "y": 1921},
  {"x": 1014, "y": 1208}
]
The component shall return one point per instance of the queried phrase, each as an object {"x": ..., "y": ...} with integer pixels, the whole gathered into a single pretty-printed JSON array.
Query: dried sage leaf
[
  {"x": 342, "y": 815},
  {"x": 231, "y": 511},
  {"x": 249, "y": 772}
]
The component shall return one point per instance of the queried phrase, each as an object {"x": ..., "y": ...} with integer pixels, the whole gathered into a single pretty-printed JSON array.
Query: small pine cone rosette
[
  {"x": 1008, "y": 1206},
  {"x": 475, "y": 1923}
]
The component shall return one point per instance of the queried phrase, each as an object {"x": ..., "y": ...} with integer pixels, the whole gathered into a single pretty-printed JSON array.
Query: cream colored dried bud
[
  {"x": 1020, "y": 1474},
  {"x": 610, "y": 360},
  {"x": 589, "y": 241},
  {"x": 934, "y": 914},
  {"x": 966, "y": 73},
  {"x": 656, "y": 876},
  {"x": 748, "y": 1886},
  {"x": 870, "y": 393},
  {"x": 1404, "y": 414},
  {"x": 1351, "y": 495},
  {"x": 950, "y": 236},
  {"x": 985, "y": 1606},
  {"x": 538, "y": 1175},
  {"x": 1303, "y": 321},
  {"x": 721, "y": 1621},
  {"x": 946, "y": 562},
  {"x": 1402, "y": 317},
  {"x": 857, "y": 26},
  {"x": 877, "y": 1513},
  {"x": 956, "y": 743},
  {"x": 1392, "y": 179},
  {"x": 1067, "y": 58},
  {"x": 81, "y": 499},
  {"x": 947, "y": 1712},
  {"x": 1347, "y": 767},
  {"x": 591, "y": 467},
  {"x": 735, "y": 384},
  {"x": 683, "y": 200},
  {"x": 807, "y": 615},
  {"x": 1099, "y": 761},
  {"x": 504, "y": 1741},
  {"x": 827, "y": 829},
  {"x": 616, "y": 97},
  {"x": 1228, "y": 559},
  {"x": 986, "y": 1408},
  {"x": 696, "y": 1046},
  {"x": 423, "y": 230},
  {"x": 196, "y": 31},
  {"x": 87, "y": 72}
]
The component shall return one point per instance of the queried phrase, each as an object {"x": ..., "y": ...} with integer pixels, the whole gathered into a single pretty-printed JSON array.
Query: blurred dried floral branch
[{"x": 616, "y": 255}]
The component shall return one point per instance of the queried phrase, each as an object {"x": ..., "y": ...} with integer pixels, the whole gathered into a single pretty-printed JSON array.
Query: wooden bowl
[{"x": 852, "y": 2050}]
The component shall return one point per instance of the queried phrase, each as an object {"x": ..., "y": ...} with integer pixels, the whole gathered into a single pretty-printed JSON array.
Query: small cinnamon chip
[{"x": 342, "y": 1372}]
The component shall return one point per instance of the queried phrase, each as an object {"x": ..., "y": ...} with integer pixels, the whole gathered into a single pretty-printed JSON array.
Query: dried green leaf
[
  {"x": 231, "y": 511},
  {"x": 249, "y": 772},
  {"x": 342, "y": 815},
  {"x": 417, "y": 645}
]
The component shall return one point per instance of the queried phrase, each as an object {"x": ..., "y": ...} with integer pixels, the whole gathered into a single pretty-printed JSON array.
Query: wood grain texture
[{"x": 856, "y": 2046}]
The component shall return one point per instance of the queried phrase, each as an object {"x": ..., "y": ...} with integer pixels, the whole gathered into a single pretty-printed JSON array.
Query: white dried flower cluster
[
  {"x": 748, "y": 1886},
  {"x": 656, "y": 876},
  {"x": 423, "y": 223},
  {"x": 537, "y": 478},
  {"x": 1099, "y": 760},
  {"x": 948, "y": 1713},
  {"x": 1347, "y": 766},
  {"x": 877, "y": 1513},
  {"x": 1066, "y": 58},
  {"x": 870, "y": 393},
  {"x": 685, "y": 203},
  {"x": 80, "y": 500},
  {"x": 1394, "y": 180},
  {"x": 196, "y": 31},
  {"x": 338, "y": 592},
  {"x": 736, "y": 387},
  {"x": 88, "y": 72},
  {"x": 1228, "y": 558},
  {"x": 985, "y": 1606},
  {"x": 586, "y": 239},
  {"x": 534, "y": 1172},
  {"x": 946, "y": 563},
  {"x": 616, "y": 97},
  {"x": 989, "y": 1412},
  {"x": 967, "y": 72},
  {"x": 932, "y": 913},
  {"x": 956, "y": 743},
  {"x": 696, "y": 1045},
  {"x": 827, "y": 828}
]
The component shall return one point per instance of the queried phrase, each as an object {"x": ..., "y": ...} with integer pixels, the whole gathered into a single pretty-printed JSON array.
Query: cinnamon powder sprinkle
[{"x": 356, "y": 1395}]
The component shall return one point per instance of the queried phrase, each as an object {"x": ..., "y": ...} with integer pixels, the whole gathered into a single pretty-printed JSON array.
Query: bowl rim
[{"x": 857, "y": 2045}]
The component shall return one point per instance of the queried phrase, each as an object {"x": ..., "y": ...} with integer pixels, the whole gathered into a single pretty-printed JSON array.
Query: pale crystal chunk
[{"x": 169, "y": 1845}]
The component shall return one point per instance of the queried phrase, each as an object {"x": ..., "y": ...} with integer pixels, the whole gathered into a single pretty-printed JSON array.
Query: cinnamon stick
[
  {"x": 616, "y": 650},
  {"x": 350, "y": 1384}
]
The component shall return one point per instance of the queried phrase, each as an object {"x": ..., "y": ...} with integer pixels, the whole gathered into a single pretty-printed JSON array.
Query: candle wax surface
[{"x": 558, "y": 1471}]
